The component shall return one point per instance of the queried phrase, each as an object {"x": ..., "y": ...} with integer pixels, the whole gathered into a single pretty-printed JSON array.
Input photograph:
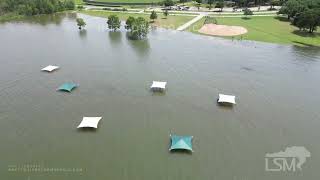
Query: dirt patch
[{"x": 222, "y": 30}]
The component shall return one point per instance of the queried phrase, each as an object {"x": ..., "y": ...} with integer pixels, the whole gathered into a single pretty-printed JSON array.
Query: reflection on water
[
  {"x": 141, "y": 47},
  {"x": 47, "y": 19},
  {"x": 71, "y": 16},
  {"x": 158, "y": 93},
  {"x": 276, "y": 88},
  {"x": 306, "y": 51},
  {"x": 115, "y": 38},
  {"x": 247, "y": 68},
  {"x": 83, "y": 33}
]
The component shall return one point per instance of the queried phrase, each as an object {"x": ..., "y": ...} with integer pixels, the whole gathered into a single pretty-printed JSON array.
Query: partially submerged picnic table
[
  {"x": 50, "y": 68},
  {"x": 226, "y": 99},
  {"x": 89, "y": 122},
  {"x": 158, "y": 85}
]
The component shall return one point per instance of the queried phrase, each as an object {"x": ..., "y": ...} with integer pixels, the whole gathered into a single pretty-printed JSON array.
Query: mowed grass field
[
  {"x": 267, "y": 29},
  {"x": 171, "y": 22}
]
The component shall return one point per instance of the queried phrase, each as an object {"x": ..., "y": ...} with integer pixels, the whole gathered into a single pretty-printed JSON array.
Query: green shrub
[{"x": 247, "y": 12}]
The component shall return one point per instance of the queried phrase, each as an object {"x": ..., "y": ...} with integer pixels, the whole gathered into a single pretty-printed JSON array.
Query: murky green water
[{"x": 277, "y": 89}]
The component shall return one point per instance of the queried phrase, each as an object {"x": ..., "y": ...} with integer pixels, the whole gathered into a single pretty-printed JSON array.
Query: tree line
[
  {"x": 138, "y": 28},
  {"x": 246, "y": 3},
  {"x": 305, "y": 14},
  {"x": 238, "y": 3},
  {"x": 35, "y": 7}
]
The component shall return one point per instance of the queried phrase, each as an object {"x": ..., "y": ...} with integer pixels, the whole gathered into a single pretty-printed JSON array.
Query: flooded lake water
[{"x": 277, "y": 90}]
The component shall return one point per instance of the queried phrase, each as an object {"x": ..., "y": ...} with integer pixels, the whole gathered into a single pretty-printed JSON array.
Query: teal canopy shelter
[
  {"x": 67, "y": 87},
  {"x": 181, "y": 143}
]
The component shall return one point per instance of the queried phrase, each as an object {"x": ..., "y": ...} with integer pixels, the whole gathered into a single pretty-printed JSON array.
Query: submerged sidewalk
[{"x": 189, "y": 23}]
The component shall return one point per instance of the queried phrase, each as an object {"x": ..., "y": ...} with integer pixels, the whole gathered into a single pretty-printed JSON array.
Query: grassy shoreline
[
  {"x": 10, "y": 17},
  {"x": 267, "y": 29},
  {"x": 171, "y": 22}
]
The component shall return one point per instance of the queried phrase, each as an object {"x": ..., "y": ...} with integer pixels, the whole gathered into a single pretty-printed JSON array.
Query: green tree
[
  {"x": 35, "y": 7},
  {"x": 80, "y": 7},
  {"x": 242, "y": 3},
  {"x": 210, "y": 2},
  {"x": 153, "y": 16},
  {"x": 183, "y": 1},
  {"x": 274, "y": 3},
  {"x": 309, "y": 19},
  {"x": 69, "y": 4},
  {"x": 292, "y": 8},
  {"x": 166, "y": 13},
  {"x": 198, "y": 4},
  {"x": 114, "y": 22},
  {"x": 220, "y": 4},
  {"x": 2, "y": 6},
  {"x": 81, "y": 23},
  {"x": 168, "y": 3},
  {"x": 139, "y": 28},
  {"x": 129, "y": 22},
  {"x": 247, "y": 12}
]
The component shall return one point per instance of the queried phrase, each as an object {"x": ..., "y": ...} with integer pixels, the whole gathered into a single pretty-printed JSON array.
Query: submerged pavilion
[
  {"x": 89, "y": 122},
  {"x": 226, "y": 99},
  {"x": 68, "y": 87},
  {"x": 181, "y": 143},
  {"x": 158, "y": 85},
  {"x": 50, "y": 68}
]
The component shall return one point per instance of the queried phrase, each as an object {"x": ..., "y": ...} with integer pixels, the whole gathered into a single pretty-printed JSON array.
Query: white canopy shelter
[
  {"x": 89, "y": 122},
  {"x": 226, "y": 99},
  {"x": 50, "y": 68},
  {"x": 158, "y": 85}
]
